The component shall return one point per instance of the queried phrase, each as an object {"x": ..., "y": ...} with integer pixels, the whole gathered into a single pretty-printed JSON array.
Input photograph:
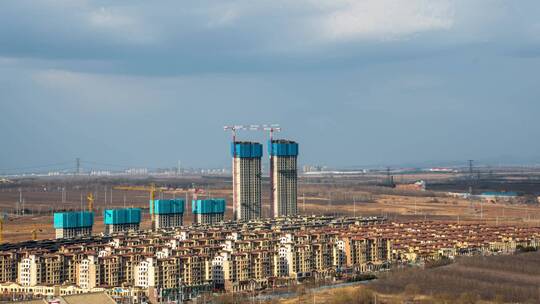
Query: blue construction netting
[
  {"x": 246, "y": 149},
  {"x": 122, "y": 216},
  {"x": 168, "y": 206},
  {"x": 208, "y": 206},
  {"x": 282, "y": 148},
  {"x": 76, "y": 219}
]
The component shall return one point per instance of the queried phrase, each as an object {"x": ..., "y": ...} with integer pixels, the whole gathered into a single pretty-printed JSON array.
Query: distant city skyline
[{"x": 355, "y": 83}]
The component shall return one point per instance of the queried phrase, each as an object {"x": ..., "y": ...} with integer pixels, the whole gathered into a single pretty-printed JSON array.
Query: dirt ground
[{"x": 340, "y": 198}]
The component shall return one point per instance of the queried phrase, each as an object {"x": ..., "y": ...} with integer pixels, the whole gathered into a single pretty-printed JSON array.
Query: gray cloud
[
  {"x": 215, "y": 36},
  {"x": 383, "y": 81}
]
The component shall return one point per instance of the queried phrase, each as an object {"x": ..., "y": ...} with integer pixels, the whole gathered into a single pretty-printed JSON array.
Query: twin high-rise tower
[
  {"x": 246, "y": 180},
  {"x": 247, "y": 174},
  {"x": 283, "y": 177}
]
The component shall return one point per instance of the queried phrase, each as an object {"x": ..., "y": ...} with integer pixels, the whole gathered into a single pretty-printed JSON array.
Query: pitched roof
[
  {"x": 89, "y": 298},
  {"x": 83, "y": 298}
]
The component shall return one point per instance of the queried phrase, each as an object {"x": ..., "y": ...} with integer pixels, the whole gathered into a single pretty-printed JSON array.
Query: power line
[
  {"x": 75, "y": 167},
  {"x": 105, "y": 164},
  {"x": 36, "y": 166}
]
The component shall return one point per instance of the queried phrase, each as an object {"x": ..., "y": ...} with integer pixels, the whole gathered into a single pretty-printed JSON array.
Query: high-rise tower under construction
[
  {"x": 283, "y": 177},
  {"x": 246, "y": 180}
]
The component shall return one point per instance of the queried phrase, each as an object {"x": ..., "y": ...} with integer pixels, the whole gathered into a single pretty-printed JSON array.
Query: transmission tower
[{"x": 78, "y": 166}]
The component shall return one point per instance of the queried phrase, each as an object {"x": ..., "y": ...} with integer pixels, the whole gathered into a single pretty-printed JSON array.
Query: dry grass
[
  {"x": 319, "y": 199},
  {"x": 513, "y": 279},
  {"x": 476, "y": 280}
]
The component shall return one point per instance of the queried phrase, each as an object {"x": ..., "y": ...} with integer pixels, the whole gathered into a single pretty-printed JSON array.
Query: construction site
[
  {"x": 28, "y": 204},
  {"x": 192, "y": 237}
]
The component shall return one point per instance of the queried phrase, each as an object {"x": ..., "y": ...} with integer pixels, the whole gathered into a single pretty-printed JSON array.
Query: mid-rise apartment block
[
  {"x": 88, "y": 273},
  {"x": 73, "y": 224},
  {"x": 208, "y": 211},
  {"x": 30, "y": 270},
  {"x": 121, "y": 220},
  {"x": 167, "y": 213},
  {"x": 8, "y": 266}
]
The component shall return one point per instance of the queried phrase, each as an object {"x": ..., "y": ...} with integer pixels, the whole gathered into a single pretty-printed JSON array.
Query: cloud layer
[{"x": 435, "y": 80}]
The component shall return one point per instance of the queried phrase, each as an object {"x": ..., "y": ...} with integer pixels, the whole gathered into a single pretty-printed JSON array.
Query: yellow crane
[
  {"x": 90, "y": 199},
  {"x": 34, "y": 232},
  {"x": 152, "y": 190}
]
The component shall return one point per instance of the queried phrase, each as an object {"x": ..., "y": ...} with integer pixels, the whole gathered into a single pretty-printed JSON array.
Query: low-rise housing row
[{"x": 181, "y": 263}]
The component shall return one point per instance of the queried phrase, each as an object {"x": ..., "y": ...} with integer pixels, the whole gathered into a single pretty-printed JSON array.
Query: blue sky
[{"x": 356, "y": 83}]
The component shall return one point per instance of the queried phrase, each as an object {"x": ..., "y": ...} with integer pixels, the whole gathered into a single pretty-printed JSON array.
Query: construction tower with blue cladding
[
  {"x": 121, "y": 220},
  {"x": 284, "y": 177},
  {"x": 73, "y": 224},
  {"x": 208, "y": 211},
  {"x": 246, "y": 180},
  {"x": 168, "y": 213}
]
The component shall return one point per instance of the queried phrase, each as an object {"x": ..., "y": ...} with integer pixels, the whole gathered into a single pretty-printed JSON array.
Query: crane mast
[
  {"x": 152, "y": 190},
  {"x": 234, "y": 129},
  {"x": 90, "y": 200},
  {"x": 271, "y": 128}
]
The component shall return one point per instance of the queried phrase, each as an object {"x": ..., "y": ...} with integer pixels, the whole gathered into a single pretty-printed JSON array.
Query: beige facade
[
  {"x": 247, "y": 188},
  {"x": 173, "y": 220},
  {"x": 111, "y": 270},
  {"x": 208, "y": 218},
  {"x": 248, "y": 256},
  {"x": 285, "y": 182},
  {"x": 110, "y": 229},
  {"x": 8, "y": 266},
  {"x": 53, "y": 269},
  {"x": 67, "y": 233}
]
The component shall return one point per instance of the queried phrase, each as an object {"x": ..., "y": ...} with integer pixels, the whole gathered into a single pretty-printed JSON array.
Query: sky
[{"x": 356, "y": 83}]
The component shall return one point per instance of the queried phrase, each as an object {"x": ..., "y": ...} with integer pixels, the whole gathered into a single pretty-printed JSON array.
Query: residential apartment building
[{"x": 254, "y": 255}]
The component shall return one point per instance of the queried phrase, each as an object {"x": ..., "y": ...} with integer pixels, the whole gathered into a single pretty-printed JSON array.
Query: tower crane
[
  {"x": 152, "y": 190},
  {"x": 234, "y": 129},
  {"x": 34, "y": 231},
  {"x": 90, "y": 200},
  {"x": 271, "y": 128}
]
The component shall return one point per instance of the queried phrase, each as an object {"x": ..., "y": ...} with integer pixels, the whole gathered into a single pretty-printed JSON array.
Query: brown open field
[
  {"x": 469, "y": 280},
  {"x": 340, "y": 196}
]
